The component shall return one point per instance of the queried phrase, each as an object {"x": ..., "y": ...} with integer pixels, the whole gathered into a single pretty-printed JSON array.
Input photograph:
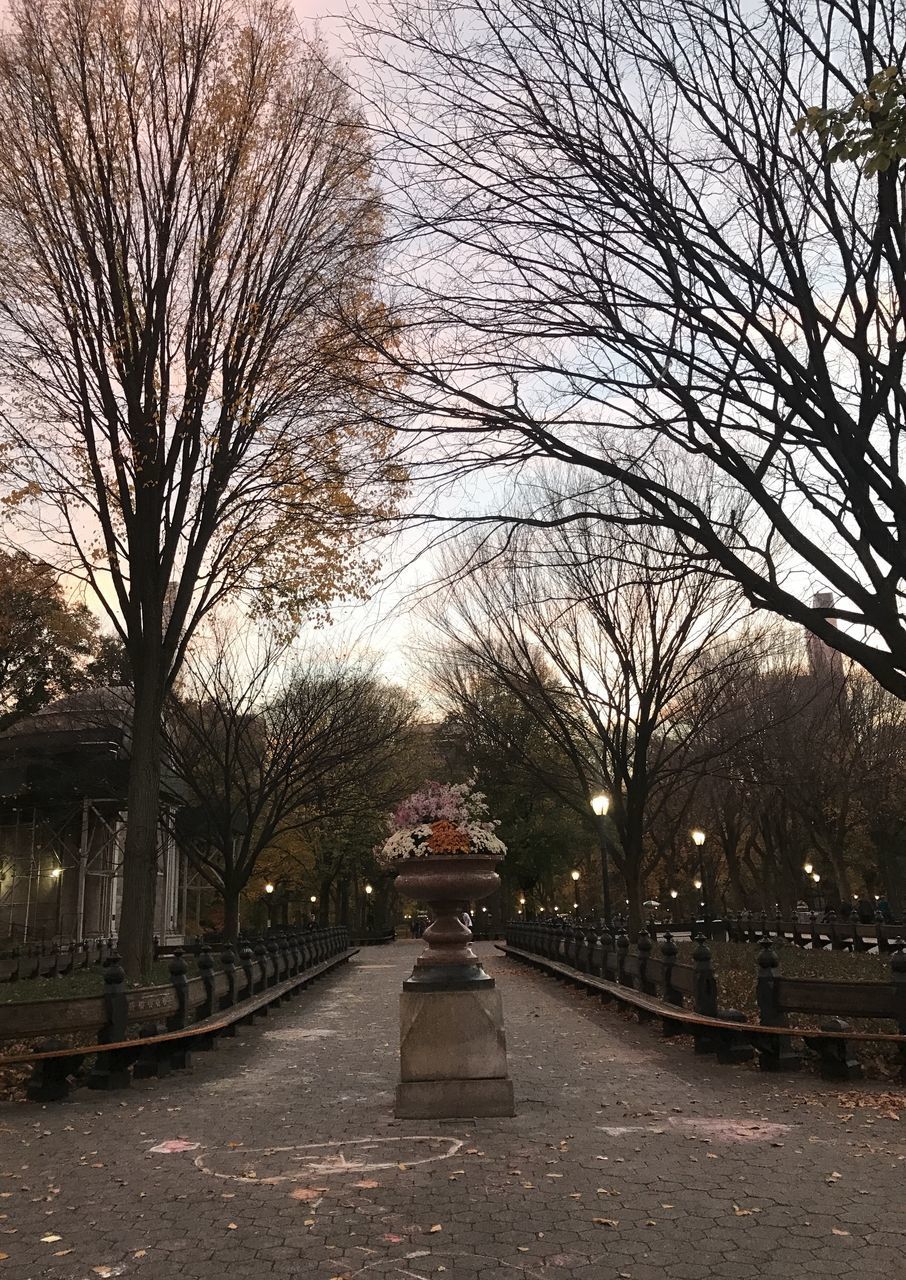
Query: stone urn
[{"x": 447, "y": 883}]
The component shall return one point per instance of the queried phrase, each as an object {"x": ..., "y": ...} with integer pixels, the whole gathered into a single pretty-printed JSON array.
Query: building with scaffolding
[{"x": 63, "y": 780}]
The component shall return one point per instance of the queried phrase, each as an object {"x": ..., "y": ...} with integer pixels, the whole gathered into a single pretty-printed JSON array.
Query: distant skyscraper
[{"x": 823, "y": 660}]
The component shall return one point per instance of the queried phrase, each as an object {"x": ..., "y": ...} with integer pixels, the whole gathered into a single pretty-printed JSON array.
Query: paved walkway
[{"x": 629, "y": 1159}]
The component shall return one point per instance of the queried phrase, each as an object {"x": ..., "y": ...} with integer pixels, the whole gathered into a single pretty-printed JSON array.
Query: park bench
[
  {"x": 151, "y": 1031},
  {"x": 658, "y": 986}
]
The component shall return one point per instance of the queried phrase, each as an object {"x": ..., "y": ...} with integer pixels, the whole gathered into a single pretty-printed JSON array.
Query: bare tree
[
  {"x": 605, "y": 646},
  {"x": 186, "y": 208},
  {"x": 268, "y": 743},
  {"x": 621, "y": 253}
]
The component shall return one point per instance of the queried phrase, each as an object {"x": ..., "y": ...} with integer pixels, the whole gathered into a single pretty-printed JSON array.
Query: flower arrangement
[{"x": 441, "y": 819}]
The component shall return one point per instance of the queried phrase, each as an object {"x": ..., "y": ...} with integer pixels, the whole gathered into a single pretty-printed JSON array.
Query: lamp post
[
  {"x": 698, "y": 839},
  {"x": 599, "y": 806},
  {"x": 268, "y": 889},
  {"x": 369, "y": 910},
  {"x": 574, "y": 876},
  {"x": 57, "y": 876}
]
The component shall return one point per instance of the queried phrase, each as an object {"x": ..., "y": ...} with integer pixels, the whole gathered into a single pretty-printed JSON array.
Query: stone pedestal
[{"x": 453, "y": 1055}]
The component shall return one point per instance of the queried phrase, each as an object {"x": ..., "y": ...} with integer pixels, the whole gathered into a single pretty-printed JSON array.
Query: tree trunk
[
  {"x": 231, "y": 914},
  {"x": 324, "y": 901},
  {"x": 343, "y": 903},
  {"x": 734, "y": 875},
  {"x": 634, "y": 894},
  {"x": 841, "y": 876},
  {"x": 136, "y": 922}
]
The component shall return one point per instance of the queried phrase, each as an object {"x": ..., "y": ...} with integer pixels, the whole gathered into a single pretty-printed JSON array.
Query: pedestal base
[
  {"x": 453, "y": 1055},
  {"x": 449, "y": 1099}
]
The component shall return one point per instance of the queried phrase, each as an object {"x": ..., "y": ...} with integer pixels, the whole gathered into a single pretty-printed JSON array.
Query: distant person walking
[{"x": 466, "y": 919}]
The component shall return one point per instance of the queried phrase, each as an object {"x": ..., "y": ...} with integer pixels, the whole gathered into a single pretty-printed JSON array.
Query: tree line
[{"x": 574, "y": 660}]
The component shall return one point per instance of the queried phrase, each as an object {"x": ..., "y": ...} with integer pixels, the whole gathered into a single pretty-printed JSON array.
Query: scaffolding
[{"x": 61, "y": 875}]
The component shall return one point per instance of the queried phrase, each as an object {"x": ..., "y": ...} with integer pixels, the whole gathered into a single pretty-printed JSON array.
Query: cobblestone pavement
[{"x": 629, "y": 1159}]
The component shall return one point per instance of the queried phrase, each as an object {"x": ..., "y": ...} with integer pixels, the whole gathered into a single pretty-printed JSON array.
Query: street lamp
[
  {"x": 674, "y": 893},
  {"x": 313, "y": 898},
  {"x": 56, "y": 875},
  {"x": 575, "y": 879},
  {"x": 600, "y": 804},
  {"x": 808, "y": 868},
  {"x": 698, "y": 839},
  {"x": 268, "y": 888}
]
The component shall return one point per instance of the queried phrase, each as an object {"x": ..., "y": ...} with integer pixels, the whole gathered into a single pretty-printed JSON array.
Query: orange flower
[{"x": 447, "y": 838}]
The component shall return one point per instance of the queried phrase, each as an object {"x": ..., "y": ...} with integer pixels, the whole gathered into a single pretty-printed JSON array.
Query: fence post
[
  {"x": 644, "y": 949},
  {"x": 111, "y": 1069},
  {"x": 704, "y": 995},
  {"x": 179, "y": 1052},
  {"x": 271, "y": 961},
  {"x": 775, "y": 1053},
  {"x": 898, "y": 977},
  {"x": 261, "y": 961},
  {"x": 581, "y": 961},
  {"x": 607, "y": 944},
  {"x": 206, "y": 973},
  {"x": 622, "y": 953}
]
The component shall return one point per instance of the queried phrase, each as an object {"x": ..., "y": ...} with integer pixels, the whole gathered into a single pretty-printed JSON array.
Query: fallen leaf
[
  {"x": 140, "y": 1253},
  {"x": 393, "y": 1239},
  {"x": 232, "y": 1226},
  {"x": 61, "y": 1253},
  {"x": 606, "y": 1222},
  {"x": 168, "y": 1148},
  {"x": 50, "y": 1239},
  {"x": 367, "y": 1184},
  {"x": 305, "y": 1193},
  {"x": 838, "y": 1231},
  {"x": 434, "y": 1230},
  {"x": 744, "y": 1213}
]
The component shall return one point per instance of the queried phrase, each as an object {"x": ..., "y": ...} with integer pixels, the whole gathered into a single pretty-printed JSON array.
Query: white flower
[{"x": 412, "y": 842}]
